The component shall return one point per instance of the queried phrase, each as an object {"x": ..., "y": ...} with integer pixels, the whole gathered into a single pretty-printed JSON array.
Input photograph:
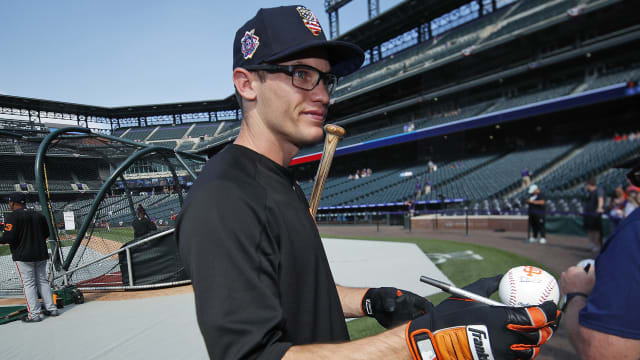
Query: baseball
[{"x": 528, "y": 285}]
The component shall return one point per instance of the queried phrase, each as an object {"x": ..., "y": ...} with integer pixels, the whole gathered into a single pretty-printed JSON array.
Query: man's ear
[{"x": 243, "y": 81}]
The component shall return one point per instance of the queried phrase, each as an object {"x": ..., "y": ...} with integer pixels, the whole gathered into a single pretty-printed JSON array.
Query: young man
[
  {"x": 601, "y": 313},
  {"x": 262, "y": 282},
  {"x": 26, "y": 232},
  {"x": 536, "y": 203}
]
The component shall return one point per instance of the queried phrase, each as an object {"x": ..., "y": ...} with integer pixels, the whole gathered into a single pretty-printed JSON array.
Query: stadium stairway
[{"x": 519, "y": 191}]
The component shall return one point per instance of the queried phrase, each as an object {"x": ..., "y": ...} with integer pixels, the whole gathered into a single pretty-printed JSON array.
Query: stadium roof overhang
[
  {"x": 228, "y": 103},
  {"x": 17, "y": 102},
  {"x": 397, "y": 20}
]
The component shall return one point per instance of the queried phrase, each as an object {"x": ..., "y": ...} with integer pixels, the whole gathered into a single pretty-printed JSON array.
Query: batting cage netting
[{"x": 91, "y": 187}]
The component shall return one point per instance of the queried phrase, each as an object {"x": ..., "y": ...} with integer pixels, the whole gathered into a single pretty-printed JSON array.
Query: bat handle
[{"x": 333, "y": 134}]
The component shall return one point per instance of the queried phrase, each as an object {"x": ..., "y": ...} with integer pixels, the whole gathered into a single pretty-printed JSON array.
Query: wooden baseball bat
[{"x": 333, "y": 134}]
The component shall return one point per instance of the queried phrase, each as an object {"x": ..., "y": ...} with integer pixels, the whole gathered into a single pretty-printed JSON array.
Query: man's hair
[
  {"x": 591, "y": 181},
  {"x": 262, "y": 75}
]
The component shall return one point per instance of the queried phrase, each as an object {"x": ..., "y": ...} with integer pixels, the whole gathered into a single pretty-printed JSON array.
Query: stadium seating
[
  {"x": 230, "y": 132},
  {"x": 614, "y": 77},
  {"x": 138, "y": 133},
  {"x": 532, "y": 15},
  {"x": 595, "y": 157},
  {"x": 186, "y": 146},
  {"x": 7, "y": 148},
  {"x": 440, "y": 47},
  {"x": 207, "y": 129},
  {"x": 169, "y": 132}
]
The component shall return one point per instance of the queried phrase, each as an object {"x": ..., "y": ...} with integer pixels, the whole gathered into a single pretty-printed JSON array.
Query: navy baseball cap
[
  {"x": 282, "y": 32},
  {"x": 18, "y": 197}
]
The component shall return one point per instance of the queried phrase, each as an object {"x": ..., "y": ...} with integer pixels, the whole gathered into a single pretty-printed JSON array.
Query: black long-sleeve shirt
[
  {"x": 26, "y": 231},
  {"x": 261, "y": 277}
]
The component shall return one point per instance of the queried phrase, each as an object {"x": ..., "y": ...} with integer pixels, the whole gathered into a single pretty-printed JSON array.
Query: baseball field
[{"x": 463, "y": 263}]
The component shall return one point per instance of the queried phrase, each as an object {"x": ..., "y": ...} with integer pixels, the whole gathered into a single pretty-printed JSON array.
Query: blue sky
[{"x": 119, "y": 52}]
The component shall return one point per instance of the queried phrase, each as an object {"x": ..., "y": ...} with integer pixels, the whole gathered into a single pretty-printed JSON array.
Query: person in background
[
  {"x": 616, "y": 212},
  {"x": 600, "y": 306},
  {"x": 537, "y": 216},
  {"x": 142, "y": 225},
  {"x": 633, "y": 200},
  {"x": 427, "y": 186},
  {"x": 418, "y": 187},
  {"x": 26, "y": 231},
  {"x": 526, "y": 177},
  {"x": 593, "y": 209}
]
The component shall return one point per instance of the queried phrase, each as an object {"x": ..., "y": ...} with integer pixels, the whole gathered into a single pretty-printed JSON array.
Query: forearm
[
  {"x": 594, "y": 345},
  {"x": 390, "y": 345},
  {"x": 351, "y": 300},
  {"x": 571, "y": 323}
]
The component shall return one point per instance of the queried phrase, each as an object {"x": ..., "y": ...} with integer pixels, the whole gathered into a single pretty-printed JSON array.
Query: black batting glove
[
  {"x": 483, "y": 287},
  {"x": 392, "y": 307},
  {"x": 460, "y": 328}
]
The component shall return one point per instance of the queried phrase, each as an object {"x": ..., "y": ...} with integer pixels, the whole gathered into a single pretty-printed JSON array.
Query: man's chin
[{"x": 312, "y": 138}]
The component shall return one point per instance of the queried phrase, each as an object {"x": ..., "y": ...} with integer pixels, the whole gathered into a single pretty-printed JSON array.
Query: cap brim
[{"x": 344, "y": 57}]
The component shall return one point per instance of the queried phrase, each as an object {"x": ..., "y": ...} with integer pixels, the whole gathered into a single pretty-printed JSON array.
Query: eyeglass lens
[{"x": 308, "y": 79}]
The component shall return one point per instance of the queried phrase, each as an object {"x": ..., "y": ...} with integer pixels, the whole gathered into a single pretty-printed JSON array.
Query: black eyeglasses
[{"x": 303, "y": 77}]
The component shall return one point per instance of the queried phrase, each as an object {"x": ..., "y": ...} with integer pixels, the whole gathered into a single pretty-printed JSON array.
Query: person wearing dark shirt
[
  {"x": 142, "y": 225},
  {"x": 537, "y": 219},
  {"x": 262, "y": 282},
  {"x": 593, "y": 209},
  {"x": 601, "y": 312},
  {"x": 26, "y": 232}
]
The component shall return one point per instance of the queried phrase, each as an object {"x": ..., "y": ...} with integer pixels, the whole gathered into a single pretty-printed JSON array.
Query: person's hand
[
  {"x": 575, "y": 279},
  {"x": 392, "y": 307},
  {"x": 472, "y": 330}
]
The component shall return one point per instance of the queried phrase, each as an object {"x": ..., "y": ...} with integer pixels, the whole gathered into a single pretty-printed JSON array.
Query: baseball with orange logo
[{"x": 528, "y": 285}]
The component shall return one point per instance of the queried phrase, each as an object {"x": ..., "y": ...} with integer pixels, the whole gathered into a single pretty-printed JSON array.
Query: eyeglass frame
[{"x": 290, "y": 69}]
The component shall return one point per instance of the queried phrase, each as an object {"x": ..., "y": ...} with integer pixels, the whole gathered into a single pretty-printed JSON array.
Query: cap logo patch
[
  {"x": 250, "y": 44},
  {"x": 310, "y": 20}
]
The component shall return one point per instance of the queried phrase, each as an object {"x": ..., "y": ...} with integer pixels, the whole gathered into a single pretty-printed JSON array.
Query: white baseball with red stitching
[{"x": 528, "y": 285}]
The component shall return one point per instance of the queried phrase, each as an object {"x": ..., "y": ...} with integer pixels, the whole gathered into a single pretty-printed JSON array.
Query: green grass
[
  {"x": 460, "y": 271},
  {"x": 119, "y": 234},
  {"x": 4, "y": 250}
]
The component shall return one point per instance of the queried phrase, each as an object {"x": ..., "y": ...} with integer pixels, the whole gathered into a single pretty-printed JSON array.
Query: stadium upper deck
[{"x": 461, "y": 69}]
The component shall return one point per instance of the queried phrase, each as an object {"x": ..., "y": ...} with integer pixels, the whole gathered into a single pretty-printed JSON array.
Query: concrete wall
[{"x": 433, "y": 222}]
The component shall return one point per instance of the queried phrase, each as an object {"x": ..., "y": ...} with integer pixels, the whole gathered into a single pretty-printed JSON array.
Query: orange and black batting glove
[
  {"x": 392, "y": 307},
  {"x": 460, "y": 328}
]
